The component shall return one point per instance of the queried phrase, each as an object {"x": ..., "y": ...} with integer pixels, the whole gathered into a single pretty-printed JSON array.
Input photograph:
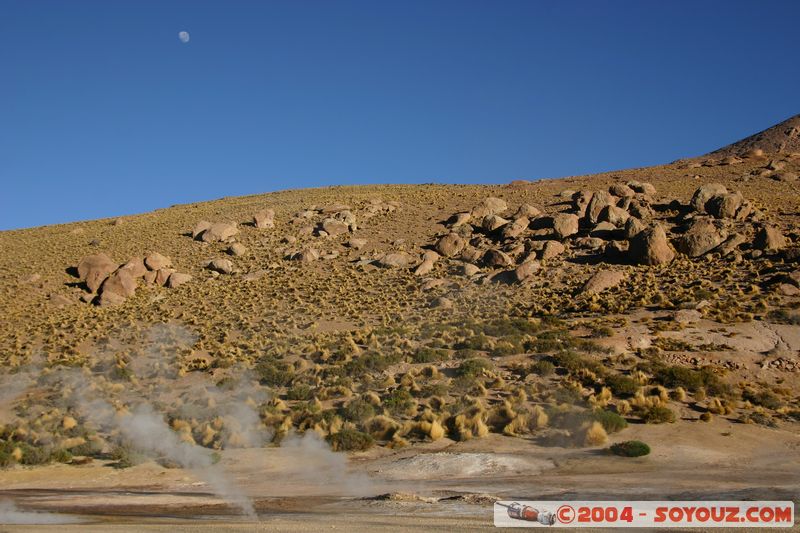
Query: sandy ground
[{"x": 436, "y": 486}]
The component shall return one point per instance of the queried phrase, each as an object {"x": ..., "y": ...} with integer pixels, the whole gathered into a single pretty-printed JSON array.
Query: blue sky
[{"x": 105, "y": 112}]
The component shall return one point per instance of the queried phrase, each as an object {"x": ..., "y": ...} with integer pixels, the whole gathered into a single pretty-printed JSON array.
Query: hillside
[{"x": 540, "y": 318}]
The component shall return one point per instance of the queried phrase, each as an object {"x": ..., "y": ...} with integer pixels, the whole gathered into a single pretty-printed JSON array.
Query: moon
[{"x": 184, "y": 36}]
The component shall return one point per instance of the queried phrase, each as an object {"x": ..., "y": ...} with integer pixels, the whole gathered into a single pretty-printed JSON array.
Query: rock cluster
[{"x": 109, "y": 283}]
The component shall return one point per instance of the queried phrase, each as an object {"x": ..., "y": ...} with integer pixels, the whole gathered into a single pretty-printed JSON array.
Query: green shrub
[
  {"x": 763, "y": 398},
  {"x": 474, "y": 367},
  {"x": 477, "y": 342},
  {"x": 678, "y": 376},
  {"x": 274, "y": 373},
  {"x": 299, "y": 392},
  {"x": 611, "y": 421},
  {"x": 358, "y": 410},
  {"x": 621, "y": 385},
  {"x": 398, "y": 401},
  {"x": 574, "y": 362},
  {"x": 658, "y": 414},
  {"x": 61, "y": 455},
  {"x": 126, "y": 456},
  {"x": 350, "y": 440},
  {"x": 543, "y": 368},
  {"x": 630, "y": 448},
  {"x": 430, "y": 355}
]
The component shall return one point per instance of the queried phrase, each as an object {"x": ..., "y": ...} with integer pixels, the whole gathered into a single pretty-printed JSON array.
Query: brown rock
[
  {"x": 565, "y": 225},
  {"x": 600, "y": 200},
  {"x": 199, "y": 228},
  {"x": 93, "y": 269},
  {"x": 121, "y": 283},
  {"x": 603, "y": 280},
  {"x": 489, "y": 206},
  {"x": 552, "y": 249},
  {"x": 135, "y": 267},
  {"x": 459, "y": 219},
  {"x": 156, "y": 261},
  {"x": 395, "y": 260},
  {"x": 237, "y": 249},
  {"x": 642, "y": 187},
  {"x": 177, "y": 278},
  {"x": 162, "y": 276},
  {"x": 264, "y": 219},
  {"x": 450, "y": 245},
  {"x": 356, "y": 244},
  {"x": 701, "y": 237},
  {"x": 621, "y": 190},
  {"x": 493, "y": 222},
  {"x": 615, "y": 215},
  {"x": 725, "y": 205},
  {"x": 496, "y": 258},
  {"x": 526, "y": 269},
  {"x": 220, "y": 231},
  {"x": 221, "y": 265},
  {"x": 769, "y": 239},
  {"x": 527, "y": 211},
  {"x": 516, "y": 228},
  {"x": 334, "y": 227},
  {"x": 704, "y": 194},
  {"x": 651, "y": 247}
]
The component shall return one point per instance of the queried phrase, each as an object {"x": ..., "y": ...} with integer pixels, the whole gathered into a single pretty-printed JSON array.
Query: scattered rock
[
  {"x": 526, "y": 269},
  {"x": 156, "y": 261},
  {"x": 356, "y": 244},
  {"x": 395, "y": 260},
  {"x": 135, "y": 267},
  {"x": 769, "y": 239},
  {"x": 552, "y": 249},
  {"x": 565, "y": 225},
  {"x": 725, "y": 205},
  {"x": 307, "y": 255},
  {"x": 614, "y": 215},
  {"x": 493, "y": 222},
  {"x": 468, "y": 269},
  {"x": 199, "y": 228},
  {"x": 459, "y": 219},
  {"x": 496, "y": 258},
  {"x": 237, "y": 249},
  {"x": 516, "y": 228},
  {"x": 121, "y": 283},
  {"x": 527, "y": 211},
  {"x": 642, "y": 187},
  {"x": 701, "y": 237},
  {"x": 334, "y": 227},
  {"x": 221, "y": 265},
  {"x": 651, "y": 247},
  {"x": 704, "y": 194},
  {"x": 599, "y": 202},
  {"x": 162, "y": 275},
  {"x": 221, "y": 231},
  {"x": 93, "y": 269},
  {"x": 264, "y": 219},
  {"x": 621, "y": 190},
  {"x": 603, "y": 280},
  {"x": 450, "y": 245},
  {"x": 489, "y": 206},
  {"x": 633, "y": 226},
  {"x": 442, "y": 302},
  {"x": 177, "y": 278}
]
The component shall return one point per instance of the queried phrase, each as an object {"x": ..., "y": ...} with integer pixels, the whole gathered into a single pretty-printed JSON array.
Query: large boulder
[
  {"x": 334, "y": 227},
  {"x": 493, "y": 222},
  {"x": 489, "y": 206},
  {"x": 93, "y": 269},
  {"x": 450, "y": 245},
  {"x": 177, "y": 279},
  {"x": 651, "y": 247},
  {"x": 527, "y": 211},
  {"x": 551, "y": 249},
  {"x": 642, "y": 187},
  {"x": 565, "y": 225},
  {"x": 395, "y": 260},
  {"x": 600, "y": 200},
  {"x": 704, "y": 194},
  {"x": 770, "y": 239},
  {"x": 496, "y": 258},
  {"x": 220, "y": 231},
  {"x": 621, "y": 190},
  {"x": 603, "y": 280},
  {"x": 515, "y": 228},
  {"x": 701, "y": 237},
  {"x": 156, "y": 261},
  {"x": 614, "y": 215},
  {"x": 725, "y": 205},
  {"x": 221, "y": 265},
  {"x": 199, "y": 228},
  {"x": 580, "y": 202},
  {"x": 264, "y": 219},
  {"x": 135, "y": 267},
  {"x": 117, "y": 286},
  {"x": 526, "y": 269},
  {"x": 459, "y": 219}
]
